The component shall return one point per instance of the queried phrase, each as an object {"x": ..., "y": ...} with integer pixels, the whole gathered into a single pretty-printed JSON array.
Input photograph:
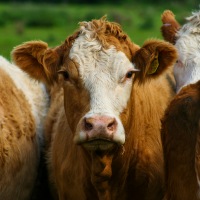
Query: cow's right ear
[
  {"x": 170, "y": 26},
  {"x": 39, "y": 61}
]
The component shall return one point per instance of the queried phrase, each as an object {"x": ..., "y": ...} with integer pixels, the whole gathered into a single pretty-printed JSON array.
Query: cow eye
[
  {"x": 129, "y": 74},
  {"x": 65, "y": 74}
]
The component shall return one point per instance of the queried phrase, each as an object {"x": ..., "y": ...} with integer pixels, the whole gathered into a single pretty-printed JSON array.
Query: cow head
[
  {"x": 95, "y": 68},
  {"x": 186, "y": 40}
]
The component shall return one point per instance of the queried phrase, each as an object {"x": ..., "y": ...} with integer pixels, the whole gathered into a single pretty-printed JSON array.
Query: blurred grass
[{"x": 53, "y": 23}]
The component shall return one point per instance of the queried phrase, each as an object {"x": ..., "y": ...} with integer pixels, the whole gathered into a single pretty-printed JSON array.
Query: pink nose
[{"x": 100, "y": 126}]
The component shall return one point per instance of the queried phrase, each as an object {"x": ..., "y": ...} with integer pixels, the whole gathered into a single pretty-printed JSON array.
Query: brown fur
[
  {"x": 147, "y": 55},
  {"x": 19, "y": 152},
  {"x": 180, "y": 138},
  {"x": 134, "y": 171},
  {"x": 170, "y": 26}
]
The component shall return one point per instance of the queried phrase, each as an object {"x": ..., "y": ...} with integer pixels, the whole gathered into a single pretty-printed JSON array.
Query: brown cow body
[
  {"x": 23, "y": 105},
  {"x": 96, "y": 104},
  {"x": 180, "y": 136},
  {"x": 180, "y": 129}
]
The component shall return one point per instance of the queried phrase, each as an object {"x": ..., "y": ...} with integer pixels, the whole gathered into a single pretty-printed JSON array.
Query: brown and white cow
[
  {"x": 23, "y": 106},
  {"x": 103, "y": 128},
  {"x": 180, "y": 129},
  {"x": 186, "y": 40}
]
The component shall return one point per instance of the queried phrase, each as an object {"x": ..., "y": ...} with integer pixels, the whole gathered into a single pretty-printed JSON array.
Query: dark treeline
[{"x": 102, "y": 1}]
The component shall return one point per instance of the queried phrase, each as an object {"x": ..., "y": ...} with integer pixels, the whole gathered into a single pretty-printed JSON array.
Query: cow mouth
[{"x": 99, "y": 145}]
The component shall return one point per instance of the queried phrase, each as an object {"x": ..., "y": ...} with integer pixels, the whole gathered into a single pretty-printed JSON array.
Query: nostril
[
  {"x": 101, "y": 123},
  {"x": 88, "y": 125},
  {"x": 112, "y": 125}
]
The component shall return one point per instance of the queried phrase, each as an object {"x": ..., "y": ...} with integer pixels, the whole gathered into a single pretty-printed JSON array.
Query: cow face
[
  {"x": 96, "y": 68},
  {"x": 187, "y": 68},
  {"x": 186, "y": 40},
  {"x": 104, "y": 77}
]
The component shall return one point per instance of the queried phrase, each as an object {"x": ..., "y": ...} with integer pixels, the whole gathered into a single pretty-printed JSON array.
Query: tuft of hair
[
  {"x": 193, "y": 24},
  {"x": 97, "y": 28}
]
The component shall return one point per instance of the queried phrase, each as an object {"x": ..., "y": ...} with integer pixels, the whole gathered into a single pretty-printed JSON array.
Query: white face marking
[
  {"x": 103, "y": 72},
  {"x": 187, "y": 69}
]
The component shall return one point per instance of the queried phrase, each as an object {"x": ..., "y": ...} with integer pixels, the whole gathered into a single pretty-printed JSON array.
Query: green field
[{"x": 53, "y": 23}]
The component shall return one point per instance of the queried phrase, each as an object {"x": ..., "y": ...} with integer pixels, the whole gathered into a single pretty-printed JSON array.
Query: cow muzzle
[{"x": 99, "y": 132}]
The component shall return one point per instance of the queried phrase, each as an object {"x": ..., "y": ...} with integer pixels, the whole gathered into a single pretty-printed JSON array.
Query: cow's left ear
[{"x": 153, "y": 58}]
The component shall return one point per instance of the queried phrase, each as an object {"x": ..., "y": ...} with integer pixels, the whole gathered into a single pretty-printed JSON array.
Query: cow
[
  {"x": 186, "y": 38},
  {"x": 23, "y": 106},
  {"x": 107, "y": 98},
  {"x": 180, "y": 125}
]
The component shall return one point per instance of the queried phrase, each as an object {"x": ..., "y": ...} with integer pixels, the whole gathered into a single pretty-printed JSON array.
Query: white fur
[
  {"x": 187, "y": 69},
  {"x": 34, "y": 92},
  {"x": 103, "y": 72}
]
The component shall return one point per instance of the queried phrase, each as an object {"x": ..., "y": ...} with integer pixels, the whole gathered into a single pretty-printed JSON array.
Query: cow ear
[
  {"x": 39, "y": 61},
  {"x": 153, "y": 58},
  {"x": 170, "y": 26}
]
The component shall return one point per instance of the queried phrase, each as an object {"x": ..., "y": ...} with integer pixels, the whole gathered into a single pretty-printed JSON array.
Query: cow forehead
[
  {"x": 95, "y": 60},
  {"x": 102, "y": 71},
  {"x": 188, "y": 49},
  {"x": 188, "y": 39}
]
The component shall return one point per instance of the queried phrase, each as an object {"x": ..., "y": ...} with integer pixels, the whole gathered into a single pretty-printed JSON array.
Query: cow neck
[{"x": 101, "y": 174}]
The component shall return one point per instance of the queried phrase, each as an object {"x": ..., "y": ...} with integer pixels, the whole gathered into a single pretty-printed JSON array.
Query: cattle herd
[{"x": 100, "y": 118}]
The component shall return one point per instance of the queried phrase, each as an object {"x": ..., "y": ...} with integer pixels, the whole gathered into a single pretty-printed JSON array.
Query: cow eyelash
[{"x": 65, "y": 74}]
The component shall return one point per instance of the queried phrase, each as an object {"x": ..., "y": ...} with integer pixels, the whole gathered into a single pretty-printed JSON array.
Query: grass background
[{"x": 52, "y": 23}]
